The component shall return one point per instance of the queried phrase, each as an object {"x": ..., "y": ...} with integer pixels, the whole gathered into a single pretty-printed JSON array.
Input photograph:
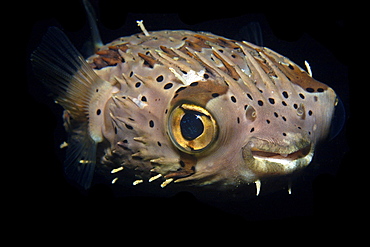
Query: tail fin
[{"x": 61, "y": 67}]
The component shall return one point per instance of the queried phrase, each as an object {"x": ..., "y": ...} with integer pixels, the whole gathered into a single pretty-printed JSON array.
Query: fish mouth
[
  {"x": 279, "y": 157},
  {"x": 268, "y": 159}
]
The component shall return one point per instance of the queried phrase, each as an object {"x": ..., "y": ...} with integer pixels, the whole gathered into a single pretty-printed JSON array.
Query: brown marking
[
  {"x": 168, "y": 51},
  {"x": 149, "y": 61},
  {"x": 229, "y": 68},
  {"x": 109, "y": 57},
  {"x": 227, "y": 43},
  {"x": 296, "y": 76},
  {"x": 199, "y": 94},
  {"x": 122, "y": 47},
  {"x": 187, "y": 163},
  {"x": 98, "y": 63}
]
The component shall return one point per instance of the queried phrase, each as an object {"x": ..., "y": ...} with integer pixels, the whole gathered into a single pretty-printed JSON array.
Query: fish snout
[{"x": 268, "y": 158}]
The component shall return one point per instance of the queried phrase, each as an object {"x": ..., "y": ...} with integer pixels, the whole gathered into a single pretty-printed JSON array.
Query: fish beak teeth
[
  {"x": 277, "y": 156},
  {"x": 276, "y": 161}
]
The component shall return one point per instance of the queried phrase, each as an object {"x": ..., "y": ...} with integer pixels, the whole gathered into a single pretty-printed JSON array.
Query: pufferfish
[{"x": 184, "y": 109}]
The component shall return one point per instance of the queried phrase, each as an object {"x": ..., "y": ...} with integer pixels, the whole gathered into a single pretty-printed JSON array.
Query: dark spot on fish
[
  {"x": 151, "y": 123},
  {"x": 168, "y": 86},
  {"x": 249, "y": 96},
  {"x": 129, "y": 127},
  {"x": 284, "y": 134},
  {"x": 285, "y": 94},
  {"x": 98, "y": 112},
  {"x": 260, "y": 103},
  {"x": 267, "y": 121},
  {"x": 272, "y": 101},
  {"x": 295, "y": 106},
  {"x": 137, "y": 158},
  {"x": 310, "y": 90},
  {"x": 283, "y": 102},
  {"x": 138, "y": 84},
  {"x": 238, "y": 120},
  {"x": 205, "y": 76},
  {"x": 320, "y": 90},
  {"x": 315, "y": 98},
  {"x": 233, "y": 99},
  {"x": 252, "y": 129},
  {"x": 301, "y": 95},
  {"x": 115, "y": 130},
  {"x": 283, "y": 118},
  {"x": 159, "y": 144},
  {"x": 180, "y": 89},
  {"x": 182, "y": 163},
  {"x": 97, "y": 90},
  {"x": 214, "y": 95},
  {"x": 310, "y": 113},
  {"x": 131, "y": 73},
  {"x": 193, "y": 84},
  {"x": 291, "y": 67},
  {"x": 144, "y": 99},
  {"x": 160, "y": 78},
  {"x": 276, "y": 115}
]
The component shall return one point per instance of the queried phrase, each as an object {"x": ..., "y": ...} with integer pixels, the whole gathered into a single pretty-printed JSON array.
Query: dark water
[{"x": 323, "y": 195}]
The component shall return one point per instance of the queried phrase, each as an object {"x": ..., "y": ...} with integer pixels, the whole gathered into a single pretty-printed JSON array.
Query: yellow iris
[{"x": 192, "y": 128}]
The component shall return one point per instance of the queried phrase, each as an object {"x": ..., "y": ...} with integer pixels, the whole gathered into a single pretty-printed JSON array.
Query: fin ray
[
  {"x": 252, "y": 32},
  {"x": 92, "y": 19},
  {"x": 80, "y": 162},
  {"x": 65, "y": 72}
]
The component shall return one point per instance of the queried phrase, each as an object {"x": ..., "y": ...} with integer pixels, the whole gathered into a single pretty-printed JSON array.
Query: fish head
[{"x": 260, "y": 127}]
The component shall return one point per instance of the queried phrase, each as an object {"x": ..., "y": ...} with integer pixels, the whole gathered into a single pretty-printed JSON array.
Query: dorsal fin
[
  {"x": 81, "y": 92},
  {"x": 252, "y": 32},
  {"x": 91, "y": 17}
]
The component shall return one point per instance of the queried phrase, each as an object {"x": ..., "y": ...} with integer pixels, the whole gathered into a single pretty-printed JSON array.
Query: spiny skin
[
  {"x": 270, "y": 114},
  {"x": 184, "y": 107}
]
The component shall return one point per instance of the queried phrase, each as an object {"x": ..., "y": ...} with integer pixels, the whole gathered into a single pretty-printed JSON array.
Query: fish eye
[{"x": 192, "y": 128}]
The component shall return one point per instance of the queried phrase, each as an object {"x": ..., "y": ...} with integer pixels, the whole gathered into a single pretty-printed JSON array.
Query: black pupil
[{"x": 191, "y": 125}]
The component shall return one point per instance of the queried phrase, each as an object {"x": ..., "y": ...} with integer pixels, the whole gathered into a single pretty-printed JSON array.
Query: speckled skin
[
  {"x": 266, "y": 113},
  {"x": 265, "y": 106}
]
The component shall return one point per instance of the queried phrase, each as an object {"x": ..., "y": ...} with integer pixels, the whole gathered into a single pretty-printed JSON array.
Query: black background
[{"x": 325, "y": 199}]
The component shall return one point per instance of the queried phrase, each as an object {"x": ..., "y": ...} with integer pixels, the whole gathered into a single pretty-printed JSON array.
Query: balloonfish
[{"x": 183, "y": 108}]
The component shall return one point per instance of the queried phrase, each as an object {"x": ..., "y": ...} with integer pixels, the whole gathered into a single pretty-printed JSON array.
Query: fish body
[{"x": 184, "y": 108}]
